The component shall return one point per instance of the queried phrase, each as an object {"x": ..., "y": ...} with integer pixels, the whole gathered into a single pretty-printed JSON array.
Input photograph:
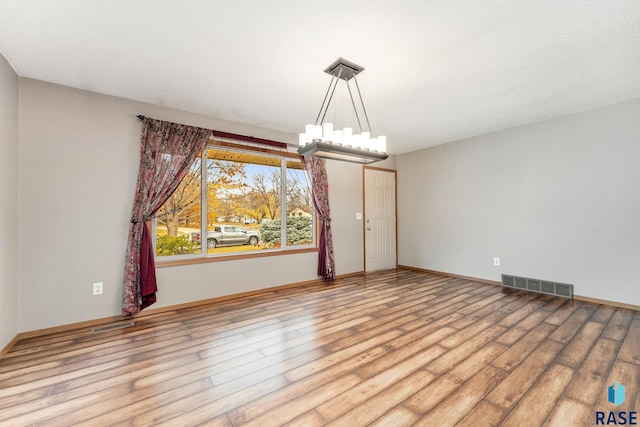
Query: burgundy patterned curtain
[
  {"x": 320, "y": 190},
  {"x": 166, "y": 153}
]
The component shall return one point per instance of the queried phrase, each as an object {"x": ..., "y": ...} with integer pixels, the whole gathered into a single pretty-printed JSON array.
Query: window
[{"x": 235, "y": 200}]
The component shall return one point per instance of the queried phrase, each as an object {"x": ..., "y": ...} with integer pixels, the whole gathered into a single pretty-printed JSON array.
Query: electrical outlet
[
  {"x": 97, "y": 288},
  {"x": 496, "y": 261}
]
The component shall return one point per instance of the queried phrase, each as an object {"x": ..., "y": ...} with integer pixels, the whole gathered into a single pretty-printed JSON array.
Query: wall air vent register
[{"x": 536, "y": 285}]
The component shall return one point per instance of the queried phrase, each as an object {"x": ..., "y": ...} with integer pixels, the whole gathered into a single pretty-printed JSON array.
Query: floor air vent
[
  {"x": 536, "y": 285},
  {"x": 120, "y": 325}
]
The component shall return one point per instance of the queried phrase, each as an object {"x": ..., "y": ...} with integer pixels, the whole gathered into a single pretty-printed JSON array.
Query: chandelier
[{"x": 322, "y": 140}]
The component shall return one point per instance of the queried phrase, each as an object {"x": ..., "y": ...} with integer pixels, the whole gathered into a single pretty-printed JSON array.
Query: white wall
[
  {"x": 8, "y": 203},
  {"x": 556, "y": 200},
  {"x": 79, "y": 155}
]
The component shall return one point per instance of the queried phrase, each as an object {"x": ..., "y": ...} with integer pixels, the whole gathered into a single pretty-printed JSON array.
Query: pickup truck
[{"x": 229, "y": 235}]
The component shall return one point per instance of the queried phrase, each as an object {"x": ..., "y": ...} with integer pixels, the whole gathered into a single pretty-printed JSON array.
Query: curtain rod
[{"x": 245, "y": 138}]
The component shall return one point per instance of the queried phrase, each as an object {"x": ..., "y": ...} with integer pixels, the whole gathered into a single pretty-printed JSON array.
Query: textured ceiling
[{"x": 435, "y": 71}]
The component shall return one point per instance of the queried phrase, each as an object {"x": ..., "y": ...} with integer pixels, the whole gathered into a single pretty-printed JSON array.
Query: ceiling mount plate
[{"x": 343, "y": 69}]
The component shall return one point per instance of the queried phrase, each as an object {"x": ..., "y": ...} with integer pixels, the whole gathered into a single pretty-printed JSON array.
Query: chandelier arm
[
  {"x": 337, "y": 80},
  {"x": 362, "y": 103},
  {"x": 355, "y": 110},
  {"x": 330, "y": 98},
  {"x": 324, "y": 101}
]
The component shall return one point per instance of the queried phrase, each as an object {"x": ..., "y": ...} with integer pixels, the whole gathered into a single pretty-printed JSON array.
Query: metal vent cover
[
  {"x": 548, "y": 287},
  {"x": 539, "y": 286},
  {"x": 120, "y": 325},
  {"x": 564, "y": 290},
  {"x": 533, "y": 285},
  {"x": 508, "y": 281}
]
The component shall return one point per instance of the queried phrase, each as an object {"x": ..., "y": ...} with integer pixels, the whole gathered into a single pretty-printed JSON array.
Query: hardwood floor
[{"x": 388, "y": 349}]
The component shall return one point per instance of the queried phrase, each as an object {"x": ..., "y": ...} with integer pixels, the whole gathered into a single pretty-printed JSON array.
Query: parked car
[{"x": 229, "y": 235}]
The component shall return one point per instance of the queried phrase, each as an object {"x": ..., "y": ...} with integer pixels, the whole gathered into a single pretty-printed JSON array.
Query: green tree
[
  {"x": 299, "y": 231},
  {"x": 270, "y": 233},
  {"x": 169, "y": 245}
]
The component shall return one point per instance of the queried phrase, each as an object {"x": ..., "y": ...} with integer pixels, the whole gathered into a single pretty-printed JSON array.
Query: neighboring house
[{"x": 297, "y": 212}]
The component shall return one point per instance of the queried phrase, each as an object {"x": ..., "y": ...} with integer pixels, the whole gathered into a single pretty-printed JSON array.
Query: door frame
[{"x": 364, "y": 210}]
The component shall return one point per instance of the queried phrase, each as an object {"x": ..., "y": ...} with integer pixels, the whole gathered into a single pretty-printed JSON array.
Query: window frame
[{"x": 203, "y": 256}]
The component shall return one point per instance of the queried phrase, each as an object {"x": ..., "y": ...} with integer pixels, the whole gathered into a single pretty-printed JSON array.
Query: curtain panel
[
  {"x": 167, "y": 152},
  {"x": 320, "y": 191}
]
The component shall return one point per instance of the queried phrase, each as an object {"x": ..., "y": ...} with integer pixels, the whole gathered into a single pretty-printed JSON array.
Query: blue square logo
[{"x": 615, "y": 394}]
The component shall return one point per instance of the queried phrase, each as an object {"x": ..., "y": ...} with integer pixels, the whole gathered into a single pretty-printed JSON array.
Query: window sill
[{"x": 207, "y": 259}]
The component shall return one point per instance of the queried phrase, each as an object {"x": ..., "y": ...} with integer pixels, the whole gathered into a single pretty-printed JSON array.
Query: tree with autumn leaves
[
  {"x": 183, "y": 208},
  {"x": 231, "y": 196}
]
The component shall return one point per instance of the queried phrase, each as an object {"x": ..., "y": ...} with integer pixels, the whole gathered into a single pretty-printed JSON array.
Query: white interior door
[{"x": 380, "y": 219}]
